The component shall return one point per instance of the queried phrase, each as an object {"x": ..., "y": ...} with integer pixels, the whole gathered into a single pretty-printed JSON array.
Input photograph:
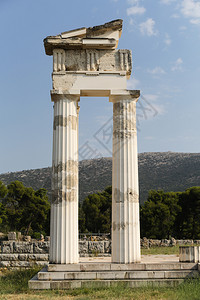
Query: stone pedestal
[
  {"x": 64, "y": 206},
  {"x": 189, "y": 254},
  {"x": 125, "y": 198}
]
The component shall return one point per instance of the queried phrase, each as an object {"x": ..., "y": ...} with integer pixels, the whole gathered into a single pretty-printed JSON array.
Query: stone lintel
[
  {"x": 51, "y": 43},
  {"x": 118, "y": 95},
  {"x": 114, "y": 95},
  {"x": 90, "y": 73}
]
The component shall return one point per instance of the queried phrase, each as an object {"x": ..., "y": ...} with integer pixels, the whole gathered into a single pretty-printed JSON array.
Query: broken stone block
[{"x": 12, "y": 236}]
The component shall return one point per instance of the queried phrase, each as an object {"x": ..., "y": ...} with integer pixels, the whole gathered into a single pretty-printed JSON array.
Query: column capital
[
  {"x": 119, "y": 95},
  {"x": 57, "y": 95}
]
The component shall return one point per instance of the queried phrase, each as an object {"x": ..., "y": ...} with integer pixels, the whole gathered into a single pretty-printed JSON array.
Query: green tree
[
  {"x": 3, "y": 216},
  {"x": 3, "y": 190},
  {"x": 26, "y": 210},
  {"x": 81, "y": 220},
  {"x": 97, "y": 211},
  {"x": 35, "y": 211},
  {"x": 188, "y": 221},
  {"x": 158, "y": 214},
  {"x": 11, "y": 202}
]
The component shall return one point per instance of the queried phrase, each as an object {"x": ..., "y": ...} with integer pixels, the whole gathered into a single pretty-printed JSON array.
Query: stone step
[
  {"x": 116, "y": 275},
  {"x": 120, "y": 267},
  {"x": 36, "y": 284}
]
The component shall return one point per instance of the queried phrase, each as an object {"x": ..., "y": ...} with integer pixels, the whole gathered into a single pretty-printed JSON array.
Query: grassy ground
[
  {"x": 14, "y": 285},
  {"x": 161, "y": 250}
]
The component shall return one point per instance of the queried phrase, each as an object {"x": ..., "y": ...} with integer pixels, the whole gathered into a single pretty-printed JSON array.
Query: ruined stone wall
[{"x": 26, "y": 254}]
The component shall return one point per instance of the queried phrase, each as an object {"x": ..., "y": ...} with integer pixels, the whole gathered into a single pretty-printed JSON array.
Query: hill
[{"x": 169, "y": 171}]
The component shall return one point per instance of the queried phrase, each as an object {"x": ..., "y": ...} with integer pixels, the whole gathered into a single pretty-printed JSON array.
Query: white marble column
[
  {"x": 64, "y": 206},
  {"x": 125, "y": 194}
]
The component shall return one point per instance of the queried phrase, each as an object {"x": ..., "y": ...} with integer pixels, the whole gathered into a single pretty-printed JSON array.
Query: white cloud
[
  {"x": 195, "y": 21},
  {"x": 133, "y": 2},
  {"x": 149, "y": 138},
  {"x": 182, "y": 28},
  {"x": 191, "y": 9},
  {"x": 151, "y": 105},
  {"x": 177, "y": 65},
  {"x": 147, "y": 28},
  {"x": 151, "y": 97},
  {"x": 167, "y": 40},
  {"x": 156, "y": 71},
  {"x": 131, "y": 21},
  {"x": 133, "y": 83},
  {"x": 167, "y": 1},
  {"x": 175, "y": 16},
  {"x": 135, "y": 10}
]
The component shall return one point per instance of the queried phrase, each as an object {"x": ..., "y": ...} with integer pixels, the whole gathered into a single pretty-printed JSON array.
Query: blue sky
[{"x": 164, "y": 36}]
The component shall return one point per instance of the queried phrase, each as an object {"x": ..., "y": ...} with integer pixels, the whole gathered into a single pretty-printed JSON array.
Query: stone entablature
[{"x": 84, "y": 61}]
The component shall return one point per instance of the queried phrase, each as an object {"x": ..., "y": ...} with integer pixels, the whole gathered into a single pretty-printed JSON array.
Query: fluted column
[
  {"x": 125, "y": 194},
  {"x": 64, "y": 206}
]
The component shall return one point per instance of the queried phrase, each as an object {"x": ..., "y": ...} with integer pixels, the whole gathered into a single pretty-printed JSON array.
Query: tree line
[{"x": 163, "y": 215}]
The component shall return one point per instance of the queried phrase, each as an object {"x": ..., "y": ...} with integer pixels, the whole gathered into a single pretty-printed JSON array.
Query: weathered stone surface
[
  {"x": 165, "y": 243},
  {"x": 41, "y": 247},
  {"x": 67, "y": 276},
  {"x": 104, "y": 60},
  {"x": 19, "y": 236},
  {"x": 189, "y": 254},
  {"x": 107, "y": 246},
  {"x": 47, "y": 238},
  {"x": 83, "y": 247},
  {"x": 103, "y": 36},
  {"x": 12, "y": 236},
  {"x": 22, "y": 247},
  {"x": 96, "y": 247},
  {"x": 21, "y": 264},
  {"x": 154, "y": 243},
  {"x": 6, "y": 247},
  {"x": 144, "y": 243},
  {"x": 27, "y": 238},
  {"x": 24, "y": 257},
  {"x": 172, "y": 242},
  {"x": 8, "y": 257}
]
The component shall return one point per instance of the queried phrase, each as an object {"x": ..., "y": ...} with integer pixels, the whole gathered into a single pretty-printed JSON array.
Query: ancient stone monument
[{"x": 86, "y": 63}]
